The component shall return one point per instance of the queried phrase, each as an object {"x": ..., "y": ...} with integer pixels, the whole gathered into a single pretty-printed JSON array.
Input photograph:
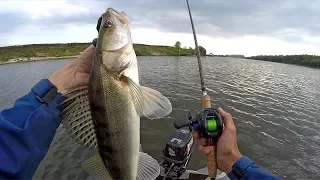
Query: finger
[
  {"x": 83, "y": 79},
  {"x": 204, "y": 149},
  {"x": 203, "y": 141},
  {"x": 195, "y": 134},
  {"x": 89, "y": 50},
  {"x": 88, "y": 55},
  {"x": 227, "y": 118},
  {"x": 222, "y": 112}
]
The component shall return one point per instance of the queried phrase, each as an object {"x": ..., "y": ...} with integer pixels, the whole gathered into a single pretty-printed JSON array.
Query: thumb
[
  {"x": 87, "y": 56},
  {"x": 227, "y": 119}
]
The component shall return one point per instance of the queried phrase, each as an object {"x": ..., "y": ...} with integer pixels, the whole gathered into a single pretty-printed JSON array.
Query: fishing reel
[
  {"x": 180, "y": 145},
  {"x": 207, "y": 122}
]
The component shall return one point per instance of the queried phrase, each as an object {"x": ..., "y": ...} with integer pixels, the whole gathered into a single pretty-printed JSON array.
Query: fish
[{"x": 105, "y": 114}]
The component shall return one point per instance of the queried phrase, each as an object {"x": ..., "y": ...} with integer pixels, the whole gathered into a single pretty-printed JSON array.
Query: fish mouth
[
  {"x": 122, "y": 16},
  {"x": 113, "y": 11}
]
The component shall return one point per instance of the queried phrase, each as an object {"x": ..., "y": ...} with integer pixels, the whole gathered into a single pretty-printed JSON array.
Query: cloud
[
  {"x": 238, "y": 18},
  {"x": 247, "y": 45},
  {"x": 287, "y": 25}
]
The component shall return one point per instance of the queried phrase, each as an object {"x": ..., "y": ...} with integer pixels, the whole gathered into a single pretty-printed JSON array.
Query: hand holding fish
[
  {"x": 77, "y": 73},
  {"x": 74, "y": 74}
]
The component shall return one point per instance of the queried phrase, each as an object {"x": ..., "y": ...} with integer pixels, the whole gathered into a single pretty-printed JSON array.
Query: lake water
[{"x": 276, "y": 108}]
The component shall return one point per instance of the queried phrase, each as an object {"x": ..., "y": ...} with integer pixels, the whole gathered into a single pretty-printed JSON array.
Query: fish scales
[{"x": 118, "y": 131}]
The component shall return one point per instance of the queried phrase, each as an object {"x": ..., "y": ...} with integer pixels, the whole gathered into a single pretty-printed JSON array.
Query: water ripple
[{"x": 276, "y": 108}]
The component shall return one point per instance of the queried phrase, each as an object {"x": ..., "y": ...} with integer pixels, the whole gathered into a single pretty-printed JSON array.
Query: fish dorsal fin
[
  {"x": 149, "y": 102},
  {"x": 76, "y": 117},
  {"x": 148, "y": 168}
]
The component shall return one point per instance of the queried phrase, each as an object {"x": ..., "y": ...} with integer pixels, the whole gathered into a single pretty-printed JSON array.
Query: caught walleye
[{"x": 105, "y": 115}]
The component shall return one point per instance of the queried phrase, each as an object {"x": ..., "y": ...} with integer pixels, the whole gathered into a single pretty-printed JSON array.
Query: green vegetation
[
  {"x": 41, "y": 50},
  {"x": 203, "y": 51},
  {"x": 52, "y": 51},
  {"x": 177, "y": 44},
  {"x": 302, "y": 60},
  {"x": 152, "y": 50},
  {"x": 230, "y": 55},
  {"x": 45, "y": 51}
]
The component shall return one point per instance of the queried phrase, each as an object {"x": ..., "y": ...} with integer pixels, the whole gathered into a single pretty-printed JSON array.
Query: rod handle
[
  {"x": 212, "y": 156},
  {"x": 206, "y": 101}
]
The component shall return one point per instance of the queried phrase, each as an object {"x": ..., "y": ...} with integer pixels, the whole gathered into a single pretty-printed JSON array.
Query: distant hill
[
  {"x": 54, "y": 51},
  {"x": 21, "y": 53},
  {"x": 301, "y": 60},
  {"x": 228, "y": 55}
]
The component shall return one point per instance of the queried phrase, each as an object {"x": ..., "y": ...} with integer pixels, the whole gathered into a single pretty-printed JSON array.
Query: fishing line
[{"x": 180, "y": 81}]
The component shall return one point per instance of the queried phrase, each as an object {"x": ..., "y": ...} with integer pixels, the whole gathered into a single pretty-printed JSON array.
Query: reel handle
[{"x": 181, "y": 123}]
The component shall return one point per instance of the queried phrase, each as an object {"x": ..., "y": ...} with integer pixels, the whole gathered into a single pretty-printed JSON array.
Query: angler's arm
[
  {"x": 247, "y": 169},
  {"x": 27, "y": 130}
]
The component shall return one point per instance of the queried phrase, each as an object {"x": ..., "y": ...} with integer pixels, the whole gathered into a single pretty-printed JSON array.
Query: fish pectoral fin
[
  {"x": 96, "y": 168},
  {"x": 149, "y": 102},
  {"x": 148, "y": 167},
  {"x": 155, "y": 105},
  {"x": 76, "y": 117}
]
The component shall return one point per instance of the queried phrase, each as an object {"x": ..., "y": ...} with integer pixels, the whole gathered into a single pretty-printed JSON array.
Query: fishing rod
[
  {"x": 211, "y": 128},
  {"x": 203, "y": 88},
  {"x": 208, "y": 123}
]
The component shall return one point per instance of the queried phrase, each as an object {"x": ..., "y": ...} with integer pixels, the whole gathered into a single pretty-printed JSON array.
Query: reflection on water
[{"x": 276, "y": 108}]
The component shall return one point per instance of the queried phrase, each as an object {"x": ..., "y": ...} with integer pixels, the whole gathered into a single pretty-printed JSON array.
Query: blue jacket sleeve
[
  {"x": 26, "y": 132},
  {"x": 250, "y": 170}
]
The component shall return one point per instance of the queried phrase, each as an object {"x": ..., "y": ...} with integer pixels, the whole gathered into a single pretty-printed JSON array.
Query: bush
[{"x": 302, "y": 60}]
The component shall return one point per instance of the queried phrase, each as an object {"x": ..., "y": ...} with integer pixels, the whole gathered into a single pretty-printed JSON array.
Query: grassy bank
[
  {"x": 34, "y": 52},
  {"x": 301, "y": 60},
  {"x": 51, "y": 51},
  {"x": 40, "y": 51}
]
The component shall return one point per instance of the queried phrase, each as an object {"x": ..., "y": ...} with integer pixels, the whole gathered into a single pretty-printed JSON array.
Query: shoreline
[
  {"x": 42, "y": 52},
  {"x": 32, "y": 59},
  {"x": 37, "y": 52}
]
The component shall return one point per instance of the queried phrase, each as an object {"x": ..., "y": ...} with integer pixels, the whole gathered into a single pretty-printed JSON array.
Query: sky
[{"x": 247, "y": 27}]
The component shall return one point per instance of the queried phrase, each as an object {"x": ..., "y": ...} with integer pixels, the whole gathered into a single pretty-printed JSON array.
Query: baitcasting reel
[
  {"x": 179, "y": 147},
  {"x": 207, "y": 122}
]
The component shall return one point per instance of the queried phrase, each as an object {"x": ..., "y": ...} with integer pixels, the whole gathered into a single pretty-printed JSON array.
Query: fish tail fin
[
  {"x": 96, "y": 168},
  {"x": 148, "y": 167}
]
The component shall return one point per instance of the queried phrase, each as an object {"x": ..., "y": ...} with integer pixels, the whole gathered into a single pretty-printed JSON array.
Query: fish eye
[{"x": 108, "y": 24}]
